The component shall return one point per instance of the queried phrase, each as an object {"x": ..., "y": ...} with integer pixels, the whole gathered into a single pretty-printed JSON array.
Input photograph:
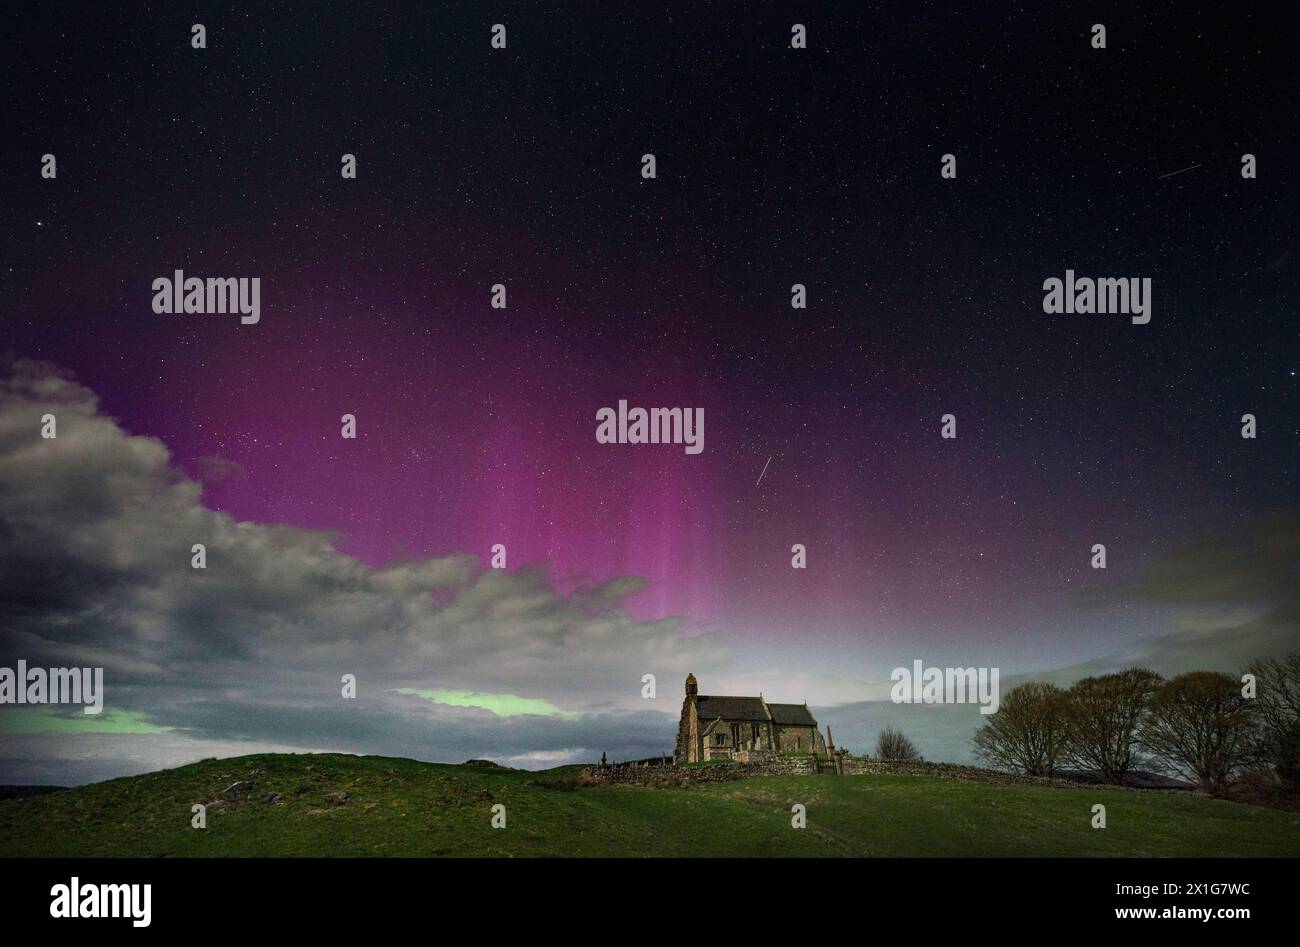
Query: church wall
[
  {"x": 687, "y": 748},
  {"x": 799, "y": 739},
  {"x": 717, "y": 742},
  {"x": 754, "y": 735}
]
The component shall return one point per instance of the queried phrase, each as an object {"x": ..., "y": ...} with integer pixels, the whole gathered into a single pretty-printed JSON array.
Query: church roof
[
  {"x": 753, "y": 708},
  {"x": 792, "y": 715},
  {"x": 730, "y": 708}
]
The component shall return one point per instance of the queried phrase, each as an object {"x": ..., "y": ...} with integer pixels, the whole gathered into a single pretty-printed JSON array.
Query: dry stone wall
[
  {"x": 682, "y": 775},
  {"x": 648, "y": 775}
]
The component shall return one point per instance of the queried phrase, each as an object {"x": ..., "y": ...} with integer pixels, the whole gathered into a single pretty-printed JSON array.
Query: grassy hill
[{"x": 329, "y": 804}]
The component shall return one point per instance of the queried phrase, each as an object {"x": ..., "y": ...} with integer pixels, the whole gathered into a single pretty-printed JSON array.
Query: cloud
[
  {"x": 213, "y": 469},
  {"x": 47, "y": 720},
  {"x": 96, "y": 531},
  {"x": 503, "y": 705},
  {"x": 1231, "y": 595}
]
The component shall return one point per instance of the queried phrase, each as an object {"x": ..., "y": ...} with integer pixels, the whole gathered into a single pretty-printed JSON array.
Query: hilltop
[{"x": 332, "y": 804}]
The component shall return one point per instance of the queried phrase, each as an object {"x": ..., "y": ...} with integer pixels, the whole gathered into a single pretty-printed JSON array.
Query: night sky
[{"x": 775, "y": 166}]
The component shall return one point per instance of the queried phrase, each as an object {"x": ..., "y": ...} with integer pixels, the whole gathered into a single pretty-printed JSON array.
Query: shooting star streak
[
  {"x": 760, "y": 476},
  {"x": 1172, "y": 173}
]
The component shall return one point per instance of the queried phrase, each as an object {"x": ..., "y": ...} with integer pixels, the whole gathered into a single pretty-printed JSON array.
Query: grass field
[{"x": 395, "y": 807}]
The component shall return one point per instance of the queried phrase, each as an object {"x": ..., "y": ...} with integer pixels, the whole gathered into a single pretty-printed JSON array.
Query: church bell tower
[{"x": 687, "y": 747}]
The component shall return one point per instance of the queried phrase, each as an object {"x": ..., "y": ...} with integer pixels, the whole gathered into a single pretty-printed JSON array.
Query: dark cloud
[
  {"x": 1232, "y": 595},
  {"x": 213, "y": 469},
  {"x": 96, "y": 530}
]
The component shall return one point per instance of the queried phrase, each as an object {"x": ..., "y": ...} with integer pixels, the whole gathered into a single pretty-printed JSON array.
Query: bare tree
[
  {"x": 1028, "y": 732},
  {"x": 1277, "y": 708},
  {"x": 1102, "y": 717},
  {"x": 1285, "y": 755},
  {"x": 892, "y": 745},
  {"x": 1199, "y": 726}
]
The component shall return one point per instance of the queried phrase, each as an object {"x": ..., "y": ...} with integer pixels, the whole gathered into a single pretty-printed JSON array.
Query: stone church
[{"x": 747, "y": 729}]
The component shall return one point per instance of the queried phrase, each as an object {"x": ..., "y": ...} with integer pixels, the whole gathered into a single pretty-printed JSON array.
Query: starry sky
[{"x": 775, "y": 166}]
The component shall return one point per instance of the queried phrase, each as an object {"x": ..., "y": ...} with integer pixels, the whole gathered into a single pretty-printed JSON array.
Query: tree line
[{"x": 1205, "y": 727}]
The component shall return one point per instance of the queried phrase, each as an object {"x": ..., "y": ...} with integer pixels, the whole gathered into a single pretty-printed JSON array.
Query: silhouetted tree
[
  {"x": 892, "y": 745},
  {"x": 1284, "y": 752},
  {"x": 1102, "y": 717},
  {"x": 1277, "y": 708},
  {"x": 1028, "y": 732},
  {"x": 1200, "y": 727}
]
